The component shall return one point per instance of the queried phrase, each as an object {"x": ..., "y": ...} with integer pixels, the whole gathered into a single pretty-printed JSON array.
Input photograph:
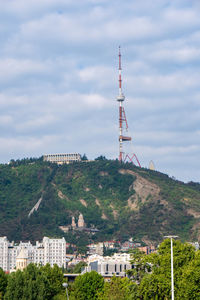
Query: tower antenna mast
[{"x": 123, "y": 121}]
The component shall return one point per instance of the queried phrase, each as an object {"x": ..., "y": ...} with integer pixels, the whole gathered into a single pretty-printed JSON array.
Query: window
[{"x": 106, "y": 267}]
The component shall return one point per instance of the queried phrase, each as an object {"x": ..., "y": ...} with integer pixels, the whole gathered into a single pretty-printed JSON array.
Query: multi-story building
[
  {"x": 110, "y": 265},
  {"x": 112, "y": 244},
  {"x": 95, "y": 248},
  {"x": 52, "y": 251},
  {"x": 129, "y": 245},
  {"x": 147, "y": 249},
  {"x": 4, "y": 257},
  {"x": 62, "y": 158}
]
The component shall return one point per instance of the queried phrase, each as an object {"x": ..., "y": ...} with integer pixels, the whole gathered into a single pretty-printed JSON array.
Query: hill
[{"x": 120, "y": 200}]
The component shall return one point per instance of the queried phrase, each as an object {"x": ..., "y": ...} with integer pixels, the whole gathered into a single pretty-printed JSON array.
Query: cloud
[
  {"x": 5, "y": 120},
  {"x": 174, "y": 83},
  {"x": 59, "y": 79},
  {"x": 12, "y": 68},
  {"x": 11, "y": 101},
  {"x": 24, "y": 9},
  {"x": 182, "y": 18},
  {"x": 181, "y": 54}
]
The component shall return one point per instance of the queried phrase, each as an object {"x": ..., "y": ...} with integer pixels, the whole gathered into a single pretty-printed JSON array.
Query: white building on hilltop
[
  {"x": 52, "y": 251},
  {"x": 62, "y": 158}
]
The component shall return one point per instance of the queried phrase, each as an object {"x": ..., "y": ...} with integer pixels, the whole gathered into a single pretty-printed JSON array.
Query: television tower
[{"x": 123, "y": 121}]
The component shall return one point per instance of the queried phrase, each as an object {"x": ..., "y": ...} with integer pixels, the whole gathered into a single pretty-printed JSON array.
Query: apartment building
[{"x": 52, "y": 251}]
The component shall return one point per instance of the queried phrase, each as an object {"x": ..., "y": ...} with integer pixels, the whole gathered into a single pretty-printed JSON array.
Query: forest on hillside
[{"x": 118, "y": 199}]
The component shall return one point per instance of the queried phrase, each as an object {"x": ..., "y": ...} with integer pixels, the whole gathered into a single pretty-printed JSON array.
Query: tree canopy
[
  {"x": 34, "y": 283},
  {"x": 87, "y": 286},
  {"x": 119, "y": 289},
  {"x": 3, "y": 283},
  {"x": 153, "y": 272}
]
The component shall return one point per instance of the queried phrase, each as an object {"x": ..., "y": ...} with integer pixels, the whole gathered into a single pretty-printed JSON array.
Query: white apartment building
[
  {"x": 52, "y": 251},
  {"x": 4, "y": 257},
  {"x": 62, "y": 158}
]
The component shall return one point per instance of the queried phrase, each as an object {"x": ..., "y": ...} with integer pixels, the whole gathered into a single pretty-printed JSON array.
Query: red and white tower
[{"x": 123, "y": 121}]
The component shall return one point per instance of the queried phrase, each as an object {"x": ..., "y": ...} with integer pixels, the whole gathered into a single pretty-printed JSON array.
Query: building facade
[
  {"x": 108, "y": 266},
  {"x": 95, "y": 248},
  {"x": 22, "y": 259},
  {"x": 52, "y": 251},
  {"x": 81, "y": 222},
  {"x": 62, "y": 158}
]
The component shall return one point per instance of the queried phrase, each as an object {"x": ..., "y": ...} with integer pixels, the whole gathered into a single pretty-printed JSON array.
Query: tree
[
  {"x": 82, "y": 249},
  {"x": 35, "y": 283},
  {"x": 3, "y": 283},
  {"x": 87, "y": 286},
  {"x": 15, "y": 286},
  {"x": 118, "y": 289},
  {"x": 78, "y": 267},
  {"x": 55, "y": 279},
  {"x": 101, "y": 157},
  {"x": 189, "y": 285},
  {"x": 158, "y": 282},
  {"x": 154, "y": 286},
  {"x": 84, "y": 157},
  {"x": 140, "y": 265},
  {"x": 109, "y": 252}
]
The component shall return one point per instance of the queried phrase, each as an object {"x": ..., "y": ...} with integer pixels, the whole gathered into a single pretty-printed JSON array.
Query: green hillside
[{"x": 120, "y": 200}]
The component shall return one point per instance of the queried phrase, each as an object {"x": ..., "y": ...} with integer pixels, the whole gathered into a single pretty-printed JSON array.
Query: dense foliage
[
  {"x": 102, "y": 190},
  {"x": 3, "y": 283},
  {"x": 153, "y": 272},
  {"x": 118, "y": 289},
  {"x": 150, "y": 279},
  {"x": 75, "y": 269},
  {"x": 87, "y": 286},
  {"x": 34, "y": 283}
]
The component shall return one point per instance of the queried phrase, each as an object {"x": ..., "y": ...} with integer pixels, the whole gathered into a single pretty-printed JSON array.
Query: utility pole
[
  {"x": 171, "y": 237},
  {"x": 65, "y": 285}
]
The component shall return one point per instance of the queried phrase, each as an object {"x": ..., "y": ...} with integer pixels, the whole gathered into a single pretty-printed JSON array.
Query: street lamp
[
  {"x": 65, "y": 285},
  {"x": 171, "y": 237}
]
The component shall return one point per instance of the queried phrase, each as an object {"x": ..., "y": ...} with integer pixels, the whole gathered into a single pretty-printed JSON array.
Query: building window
[{"x": 106, "y": 267}]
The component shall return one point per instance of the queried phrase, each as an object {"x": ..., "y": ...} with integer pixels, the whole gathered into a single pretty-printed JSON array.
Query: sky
[{"x": 59, "y": 80}]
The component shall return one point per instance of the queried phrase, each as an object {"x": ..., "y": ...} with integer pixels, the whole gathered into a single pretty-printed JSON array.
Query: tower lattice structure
[{"x": 123, "y": 124}]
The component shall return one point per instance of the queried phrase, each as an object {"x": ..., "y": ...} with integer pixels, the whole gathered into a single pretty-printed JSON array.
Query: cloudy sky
[{"x": 59, "y": 80}]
